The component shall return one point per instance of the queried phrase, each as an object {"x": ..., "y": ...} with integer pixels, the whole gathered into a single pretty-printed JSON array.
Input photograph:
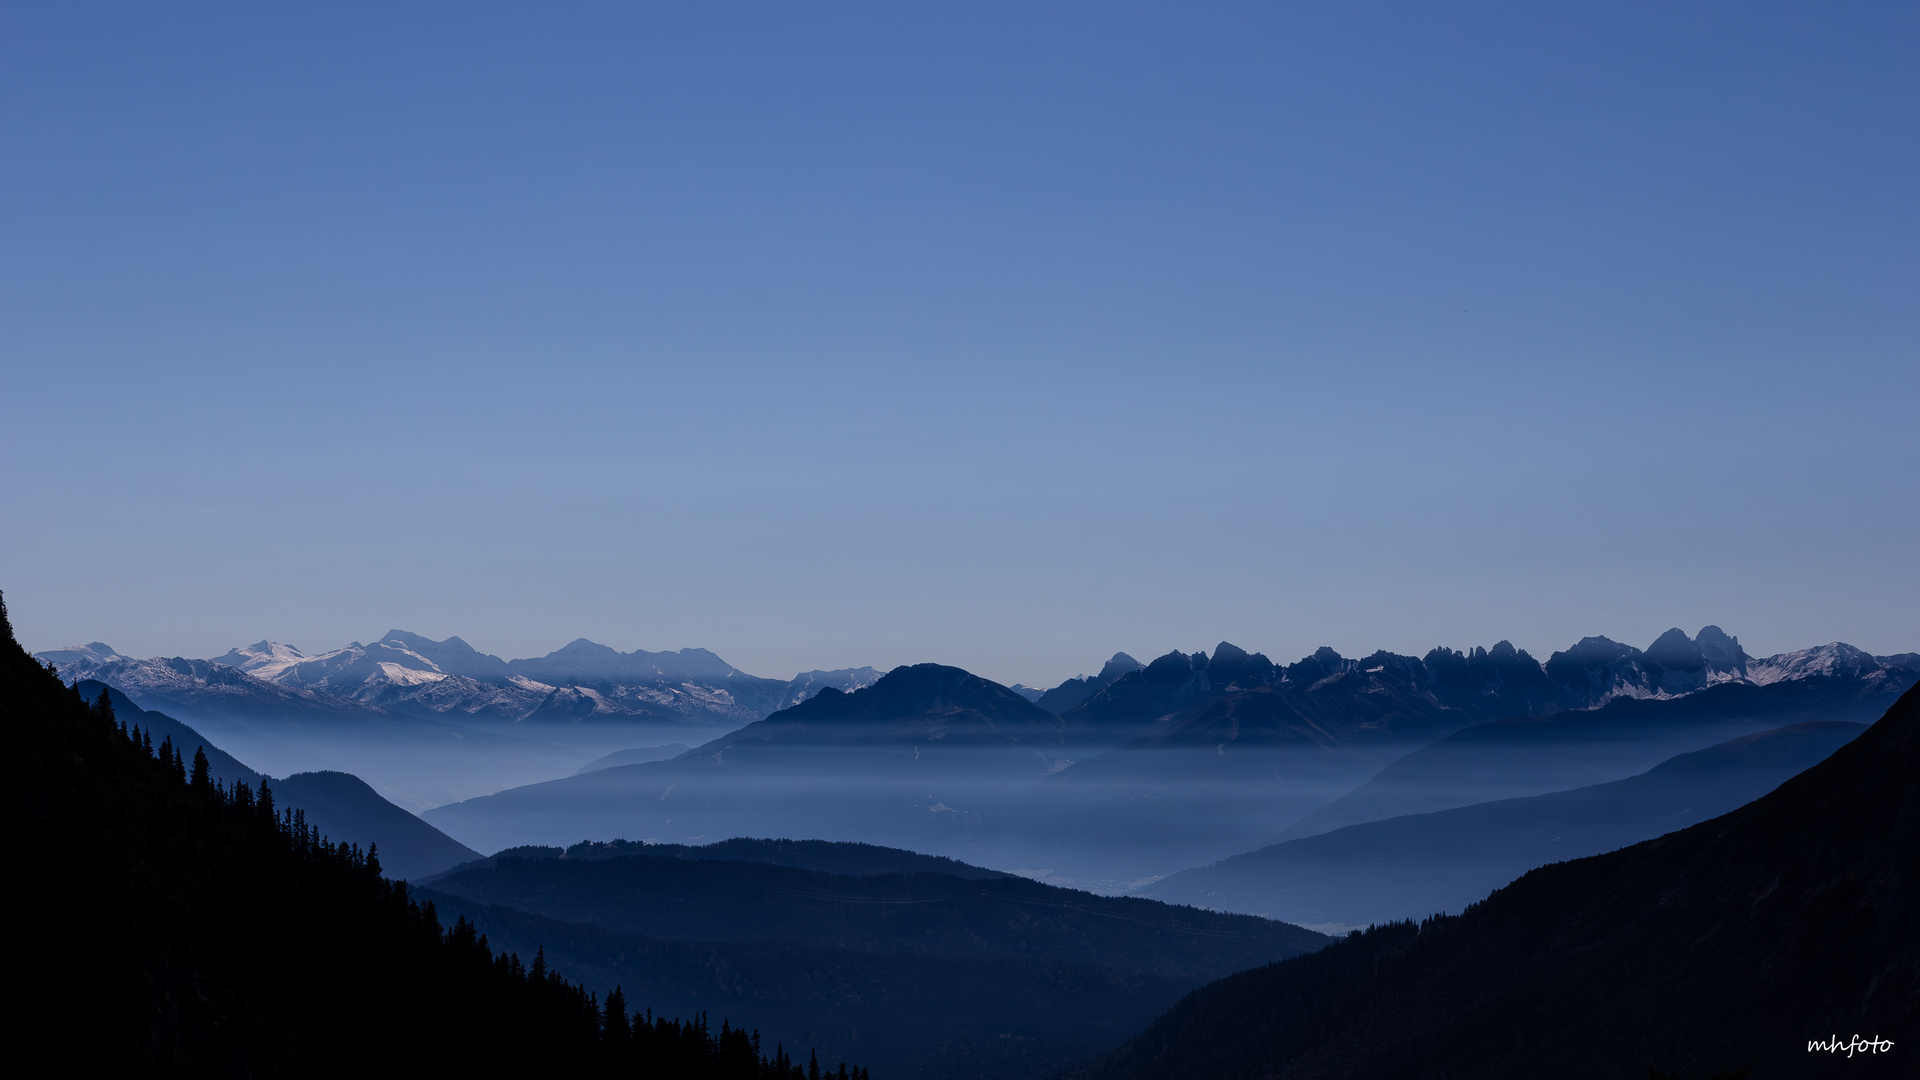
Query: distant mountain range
[
  {"x": 1188, "y": 756},
  {"x": 1520, "y": 756},
  {"x": 1480, "y": 684},
  {"x": 409, "y": 674},
  {"x": 1105, "y": 780},
  {"x": 405, "y": 673}
]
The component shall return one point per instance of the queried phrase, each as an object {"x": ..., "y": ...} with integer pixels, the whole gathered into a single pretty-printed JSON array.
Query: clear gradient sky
[{"x": 1004, "y": 335}]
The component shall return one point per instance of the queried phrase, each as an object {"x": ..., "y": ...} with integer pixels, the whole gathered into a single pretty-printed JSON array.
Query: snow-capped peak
[
  {"x": 263, "y": 659},
  {"x": 1833, "y": 658},
  {"x": 93, "y": 652}
]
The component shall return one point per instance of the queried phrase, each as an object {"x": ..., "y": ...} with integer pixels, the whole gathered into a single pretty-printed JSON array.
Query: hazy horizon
[{"x": 1540, "y": 654}]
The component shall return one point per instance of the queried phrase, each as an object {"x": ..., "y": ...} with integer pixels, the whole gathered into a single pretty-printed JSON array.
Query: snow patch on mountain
[
  {"x": 264, "y": 659},
  {"x": 1836, "y": 658}
]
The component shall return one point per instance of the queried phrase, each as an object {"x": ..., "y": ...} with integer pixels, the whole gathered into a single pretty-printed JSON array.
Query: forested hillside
[{"x": 178, "y": 927}]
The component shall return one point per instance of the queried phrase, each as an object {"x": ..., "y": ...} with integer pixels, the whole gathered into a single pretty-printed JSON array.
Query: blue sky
[{"x": 1000, "y": 335}]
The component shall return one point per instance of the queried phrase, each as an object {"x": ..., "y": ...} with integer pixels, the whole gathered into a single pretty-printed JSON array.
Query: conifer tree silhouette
[{"x": 223, "y": 938}]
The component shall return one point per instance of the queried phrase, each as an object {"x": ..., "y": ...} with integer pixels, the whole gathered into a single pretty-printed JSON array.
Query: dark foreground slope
[
  {"x": 166, "y": 926},
  {"x": 1728, "y": 944},
  {"x": 341, "y": 806}
]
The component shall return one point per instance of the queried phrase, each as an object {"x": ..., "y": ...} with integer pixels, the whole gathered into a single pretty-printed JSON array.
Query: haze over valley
[{"x": 1110, "y": 782}]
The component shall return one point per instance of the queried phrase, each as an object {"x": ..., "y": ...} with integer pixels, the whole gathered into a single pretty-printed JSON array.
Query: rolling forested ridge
[{"x": 174, "y": 926}]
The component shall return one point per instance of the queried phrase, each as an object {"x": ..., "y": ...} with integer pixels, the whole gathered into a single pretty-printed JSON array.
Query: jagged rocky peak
[
  {"x": 1232, "y": 665},
  {"x": 1502, "y": 653},
  {"x": 1597, "y": 651},
  {"x": 1721, "y": 651},
  {"x": 1081, "y": 687},
  {"x": 1175, "y": 667},
  {"x": 1229, "y": 652},
  {"x": 1674, "y": 649},
  {"x": 1324, "y": 662}
]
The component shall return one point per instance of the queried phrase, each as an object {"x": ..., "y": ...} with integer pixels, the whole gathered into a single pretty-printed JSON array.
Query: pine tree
[{"x": 202, "y": 775}]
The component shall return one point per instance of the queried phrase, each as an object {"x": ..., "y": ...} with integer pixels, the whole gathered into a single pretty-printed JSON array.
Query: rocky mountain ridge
[{"x": 408, "y": 674}]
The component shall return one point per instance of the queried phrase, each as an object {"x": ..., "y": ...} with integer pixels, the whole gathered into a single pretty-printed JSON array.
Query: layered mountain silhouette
[
  {"x": 341, "y": 806},
  {"x": 344, "y": 808},
  {"x": 845, "y": 858},
  {"x": 1190, "y": 759},
  {"x": 1421, "y": 864},
  {"x": 1078, "y": 689},
  {"x": 924, "y": 912},
  {"x": 925, "y": 705},
  {"x": 1729, "y": 945},
  {"x": 907, "y": 761},
  {"x": 1533, "y": 755}
]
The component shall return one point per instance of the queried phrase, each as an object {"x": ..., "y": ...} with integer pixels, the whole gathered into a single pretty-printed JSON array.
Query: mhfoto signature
[{"x": 1833, "y": 1045}]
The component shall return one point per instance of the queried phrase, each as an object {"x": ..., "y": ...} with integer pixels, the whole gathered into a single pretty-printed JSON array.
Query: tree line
[{"x": 178, "y": 927}]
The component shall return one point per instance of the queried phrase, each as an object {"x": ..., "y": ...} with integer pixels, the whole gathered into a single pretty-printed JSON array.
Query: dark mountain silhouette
[
  {"x": 907, "y": 762},
  {"x": 1074, "y": 691},
  {"x": 928, "y": 914},
  {"x": 906, "y": 1017},
  {"x": 343, "y": 807},
  {"x": 222, "y": 766},
  {"x": 179, "y": 928},
  {"x": 1446, "y": 690},
  {"x": 961, "y": 972},
  {"x": 1217, "y": 754},
  {"x": 928, "y": 705},
  {"x": 1727, "y": 945},
  {"x": 1413, "y": 866},
  {"x": 826, "y": 856},
  {"x": 1479, "y": 684},
  {"x": 1534, "y": 755}
]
